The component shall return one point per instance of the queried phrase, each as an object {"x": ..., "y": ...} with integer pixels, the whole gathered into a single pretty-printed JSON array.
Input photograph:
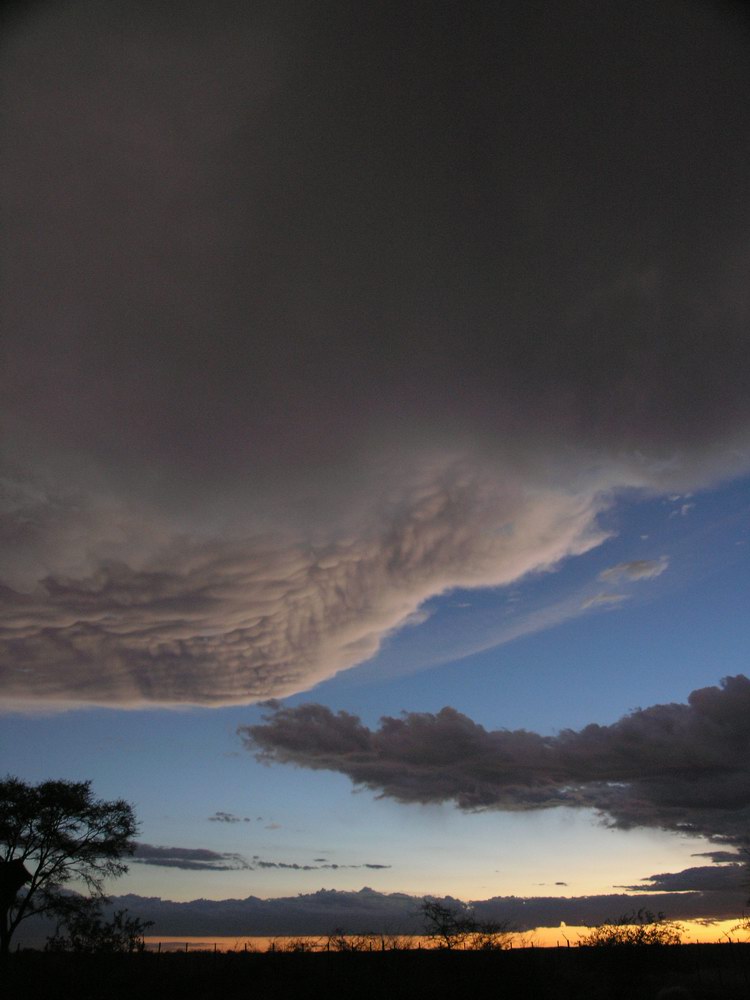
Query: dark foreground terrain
[{"x": 701, "y": 971}]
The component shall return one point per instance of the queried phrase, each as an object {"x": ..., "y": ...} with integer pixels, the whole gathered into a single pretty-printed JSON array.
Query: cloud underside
[
  {"x": 297, "y": 342},
  {"x": 222, "y": 622},
  {"x": 683, "y": 768}
]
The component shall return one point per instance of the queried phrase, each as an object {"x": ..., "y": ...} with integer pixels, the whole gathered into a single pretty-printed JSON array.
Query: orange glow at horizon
[{"x": 692, "y": 931}]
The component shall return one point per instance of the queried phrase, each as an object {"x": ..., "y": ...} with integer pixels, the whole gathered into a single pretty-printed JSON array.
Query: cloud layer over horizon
[
  {"x": 682, "y": 768},
  {"x": 310, "y": 319}
]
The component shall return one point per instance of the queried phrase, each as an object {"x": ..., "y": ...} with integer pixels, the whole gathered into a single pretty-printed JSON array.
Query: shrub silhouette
[
  {"x": 89, "y": 933},
  {"x": 642, "y": 927}
]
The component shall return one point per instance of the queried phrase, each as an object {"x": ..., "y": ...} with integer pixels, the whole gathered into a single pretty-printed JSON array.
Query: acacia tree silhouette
[
  {"x": 456, "y": 928},
  {"x": 57, "y": 832}
]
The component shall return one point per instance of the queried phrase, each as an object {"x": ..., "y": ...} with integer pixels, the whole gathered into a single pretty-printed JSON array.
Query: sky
[{"x": 375, "y": 461}]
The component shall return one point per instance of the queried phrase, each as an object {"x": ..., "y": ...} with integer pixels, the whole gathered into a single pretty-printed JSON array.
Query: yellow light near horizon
[{"x": 693, "y": 932}]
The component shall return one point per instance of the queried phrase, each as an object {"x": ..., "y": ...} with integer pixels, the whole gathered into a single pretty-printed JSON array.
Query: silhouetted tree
[
  {"x": 57, "y": 832},
  {"x": 455, "y": 927}
]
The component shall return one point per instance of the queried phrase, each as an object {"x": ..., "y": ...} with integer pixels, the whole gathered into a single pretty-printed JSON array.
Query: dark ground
[{"x": 706, "y": 971}]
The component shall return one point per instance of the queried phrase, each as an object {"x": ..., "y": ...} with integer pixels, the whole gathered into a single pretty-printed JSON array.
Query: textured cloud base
[
  {"x": 307, "y": 319},
  {"x": 684, "y": 768},
  {"x": 220, "y": 622}
]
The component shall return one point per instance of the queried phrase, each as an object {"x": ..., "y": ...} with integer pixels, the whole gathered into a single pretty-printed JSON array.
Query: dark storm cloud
[
  {"x": 707, "y": 878},
  {"x": 307, "y": 319},
  {"x": 189, "y": 858},
  {"x": 679, "y": 767}
]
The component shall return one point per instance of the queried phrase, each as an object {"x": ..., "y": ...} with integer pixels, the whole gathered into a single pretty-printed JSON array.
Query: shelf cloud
[{"x": 284, "y": 358}]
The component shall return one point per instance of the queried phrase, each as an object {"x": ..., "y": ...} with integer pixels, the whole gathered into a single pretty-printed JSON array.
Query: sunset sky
[{"x": 376, "y": 418}]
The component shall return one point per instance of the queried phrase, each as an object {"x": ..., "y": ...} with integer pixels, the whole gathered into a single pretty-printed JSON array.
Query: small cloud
[
  {"x": 636, "y": 569},
  {"x": 223, "y": 817},
  {"x": 561, "y": 883},
  {"x": 418, "y": 617},
  {"x": 189, "y": 858},
  {"x": 273, "y": 826},
  {"x": 285, "y": 864},
  {"x": 604, "y": 600},
  {"x": 683, "y": 510}
]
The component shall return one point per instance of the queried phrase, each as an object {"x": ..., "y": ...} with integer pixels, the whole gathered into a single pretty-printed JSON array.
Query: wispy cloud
[
  {"x": 603, "y": 600},
  {"x": 636, "y": 569}
]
